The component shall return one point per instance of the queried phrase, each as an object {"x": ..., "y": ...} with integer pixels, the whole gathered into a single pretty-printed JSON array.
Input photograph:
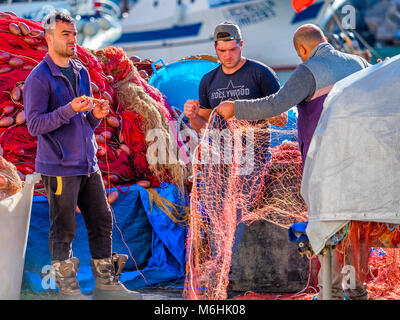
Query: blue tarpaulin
[{"x": 141, "y": 231}]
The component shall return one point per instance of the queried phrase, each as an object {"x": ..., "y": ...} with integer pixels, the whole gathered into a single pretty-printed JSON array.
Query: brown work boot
[
  {"x": 66, "y": 281},
  {"x": 106, "y": 273}
]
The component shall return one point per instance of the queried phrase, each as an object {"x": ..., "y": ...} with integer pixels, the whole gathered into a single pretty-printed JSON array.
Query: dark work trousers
[{"x": 88, "y": 192}]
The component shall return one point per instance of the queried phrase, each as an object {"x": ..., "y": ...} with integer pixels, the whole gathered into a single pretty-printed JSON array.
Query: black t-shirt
[
  {"x": 253, "y": 80},
  {"x": 69, "y": 73}
]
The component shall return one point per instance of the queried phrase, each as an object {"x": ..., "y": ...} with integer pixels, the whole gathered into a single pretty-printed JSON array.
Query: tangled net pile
[
  {"x": 236, "y": 180},
  {"x": 371, "y": 248},
  {"x": 136, "y": 108},
  {"x": 254, "y": 186}
]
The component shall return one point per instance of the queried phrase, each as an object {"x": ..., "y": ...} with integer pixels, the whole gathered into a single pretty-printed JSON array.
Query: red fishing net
[
  {"x": 22, "y": 46},
  {"x": 120, "y": 136}
]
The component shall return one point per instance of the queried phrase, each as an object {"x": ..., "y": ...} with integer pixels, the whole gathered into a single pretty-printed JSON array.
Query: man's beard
[
  {"x": 65, "y": 52},
  {"x": 232, "y": 63}
]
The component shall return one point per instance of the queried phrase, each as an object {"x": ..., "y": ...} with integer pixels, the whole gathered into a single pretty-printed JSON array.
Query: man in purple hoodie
[{"x": 59, "y": 113}]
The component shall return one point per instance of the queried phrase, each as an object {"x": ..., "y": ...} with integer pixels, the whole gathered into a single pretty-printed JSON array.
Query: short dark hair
[{"x": 50, "y": 20}]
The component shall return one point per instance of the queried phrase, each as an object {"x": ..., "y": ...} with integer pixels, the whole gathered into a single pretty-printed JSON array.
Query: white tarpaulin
[
  {"x": 352, "y": 170},
  {"x": 15, "y": 213}
]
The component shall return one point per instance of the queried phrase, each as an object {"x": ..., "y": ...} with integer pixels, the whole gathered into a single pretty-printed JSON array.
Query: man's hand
[
  {"x": 80, "y": 104},
  {"x": 191, "y": 108},
  {"x": 101, "y": 109},
  {"x": 226, "y": 109}
]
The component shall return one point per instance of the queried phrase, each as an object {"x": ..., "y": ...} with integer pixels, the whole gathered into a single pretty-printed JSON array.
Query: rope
[
  {"x": 113, "y": 213},
  {"x": 168, "y": 207}
]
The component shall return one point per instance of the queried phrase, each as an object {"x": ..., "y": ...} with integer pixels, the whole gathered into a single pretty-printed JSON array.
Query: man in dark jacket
[{"x": 64, "y": 119}]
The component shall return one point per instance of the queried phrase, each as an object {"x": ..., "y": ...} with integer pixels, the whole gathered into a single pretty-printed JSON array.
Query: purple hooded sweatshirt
[{"x": 66, "y": 142}]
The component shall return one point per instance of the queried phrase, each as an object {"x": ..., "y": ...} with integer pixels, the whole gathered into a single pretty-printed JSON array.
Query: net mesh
[
  {"x": 262, "y": 181},
  {"x": 237, "y": 178}
]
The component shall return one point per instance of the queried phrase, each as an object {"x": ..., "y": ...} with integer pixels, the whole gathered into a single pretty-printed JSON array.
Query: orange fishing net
[
  {"x": 362, "y": 248},
  {"x": 237, "y": 178}
]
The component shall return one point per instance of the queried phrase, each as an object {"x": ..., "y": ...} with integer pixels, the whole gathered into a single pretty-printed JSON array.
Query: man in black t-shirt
[{"x": 236, "y": 78}]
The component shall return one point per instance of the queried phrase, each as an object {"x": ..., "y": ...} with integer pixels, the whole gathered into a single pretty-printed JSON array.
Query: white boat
[
  {"x": 97, "y": 21},
  {"x": 172, "y": 29}
]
